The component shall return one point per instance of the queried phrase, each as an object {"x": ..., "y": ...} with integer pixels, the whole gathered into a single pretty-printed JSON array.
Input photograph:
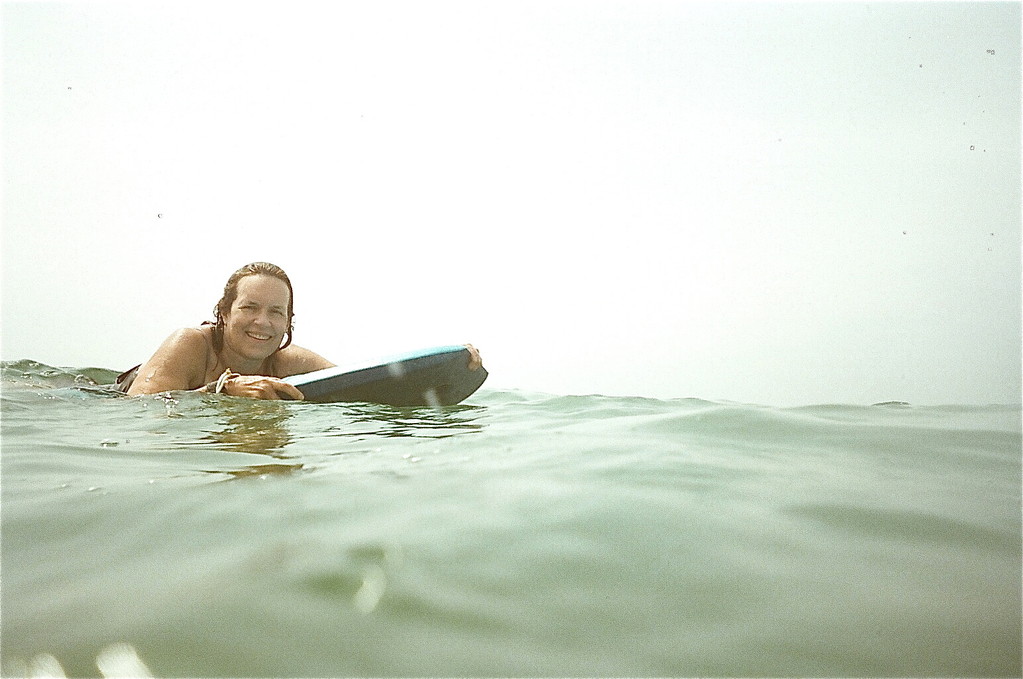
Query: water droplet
[
  {"x": 159, "y": 216},
  {"x": 430, "y": 396},
  {"x": 121, "y": 660},
  {"x": 374, "y": 582},
  {"x": 972, "y": 147},
  {"x": 45, "y": 665}
]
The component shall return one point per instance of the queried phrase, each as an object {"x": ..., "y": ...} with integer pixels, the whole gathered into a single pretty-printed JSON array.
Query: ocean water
[{"x": 518, "y": 534}]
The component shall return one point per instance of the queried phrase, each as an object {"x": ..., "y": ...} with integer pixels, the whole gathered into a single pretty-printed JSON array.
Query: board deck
[{"x": 436, "y": 376}]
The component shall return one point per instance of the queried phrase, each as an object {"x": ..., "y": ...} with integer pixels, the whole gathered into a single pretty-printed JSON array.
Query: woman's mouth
[{"x": 258, "y": 336}]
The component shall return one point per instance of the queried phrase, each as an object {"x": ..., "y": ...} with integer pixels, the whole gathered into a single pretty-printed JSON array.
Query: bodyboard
[{"x": 437, "y": 376}]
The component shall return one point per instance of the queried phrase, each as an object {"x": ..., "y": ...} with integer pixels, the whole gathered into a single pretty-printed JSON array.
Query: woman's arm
[{"x": 294, "y": 360}]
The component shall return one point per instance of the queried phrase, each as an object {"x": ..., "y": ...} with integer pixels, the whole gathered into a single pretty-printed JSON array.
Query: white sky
[{"x": 774, "y": 203}]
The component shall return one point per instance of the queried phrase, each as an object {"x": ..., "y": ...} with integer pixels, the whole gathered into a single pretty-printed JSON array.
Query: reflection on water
[
  {"x": 251, "y": 426},
  {"x": 261, "y": 470},
  {"x": 257, "y": 427},
  {"x": 415, "y": 422},
  {"x": 268, "y": 428}
]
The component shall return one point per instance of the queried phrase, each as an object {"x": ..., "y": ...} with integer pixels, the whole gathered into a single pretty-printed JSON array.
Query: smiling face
[{"x": 258, "y": 320}]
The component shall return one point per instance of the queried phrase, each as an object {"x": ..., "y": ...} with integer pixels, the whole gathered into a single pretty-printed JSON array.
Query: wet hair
[{"x": 223, "y": 307}]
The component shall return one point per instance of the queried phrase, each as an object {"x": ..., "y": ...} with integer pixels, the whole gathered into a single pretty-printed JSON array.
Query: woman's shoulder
[
  {"x": 294, "y": 360},
  {"x": 191, "y": 347},
  {"x": 181, "y": 362},
  {"x": 192, "y": 337}
]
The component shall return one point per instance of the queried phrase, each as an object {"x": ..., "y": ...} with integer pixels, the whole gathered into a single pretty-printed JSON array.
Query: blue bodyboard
[{"x": 437, "y": 376}]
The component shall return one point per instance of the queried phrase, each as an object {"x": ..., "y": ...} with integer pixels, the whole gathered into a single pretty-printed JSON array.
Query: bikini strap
[{"x": 212, "y": 352}]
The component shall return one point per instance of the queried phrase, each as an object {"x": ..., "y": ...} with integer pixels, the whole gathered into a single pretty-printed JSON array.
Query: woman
[
  {"x": 241, "y": 353},
  {"x": 244, "y": 352}
]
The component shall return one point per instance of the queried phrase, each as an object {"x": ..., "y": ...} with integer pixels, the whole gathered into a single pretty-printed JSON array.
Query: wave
[
  {"x": 565, "y": 525},
  {"x": 28, "y": 373}
]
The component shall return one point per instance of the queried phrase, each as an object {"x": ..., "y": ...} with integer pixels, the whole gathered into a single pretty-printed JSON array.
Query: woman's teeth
[{"x": 258, "y": 336}]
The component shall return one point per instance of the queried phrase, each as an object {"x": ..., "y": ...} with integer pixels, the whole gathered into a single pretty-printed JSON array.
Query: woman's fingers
[
  {"x": 261, "y": 387},
  {"x": 475, "y": 360},
  {"x": 288, "y": 391}
]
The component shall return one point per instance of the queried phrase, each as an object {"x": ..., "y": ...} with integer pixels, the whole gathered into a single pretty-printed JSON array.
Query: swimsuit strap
[
  {"x": 212, "y": 352},
  {"x": 125, "y": 379}
]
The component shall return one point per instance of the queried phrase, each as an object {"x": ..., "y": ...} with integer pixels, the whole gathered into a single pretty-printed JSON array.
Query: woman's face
[{"x": 258, "y": 320}]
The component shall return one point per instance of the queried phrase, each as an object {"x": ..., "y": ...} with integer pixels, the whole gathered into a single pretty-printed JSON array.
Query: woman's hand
[
  {"x": 475, "y": 360},
  {"x": 262, "y": 387}
]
